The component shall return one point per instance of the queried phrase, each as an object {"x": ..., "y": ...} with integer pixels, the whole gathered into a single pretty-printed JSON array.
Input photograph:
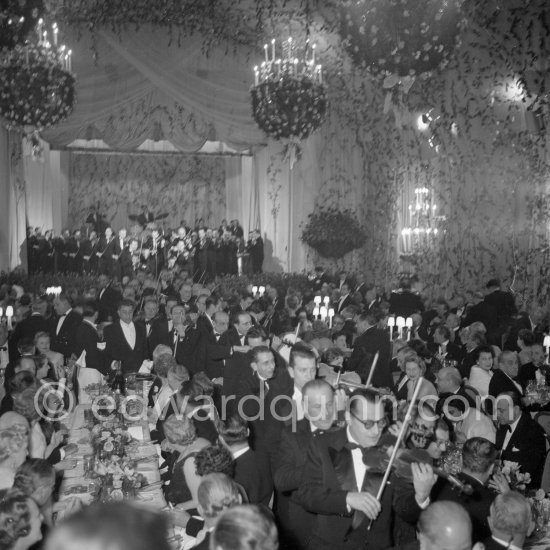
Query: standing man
[{"x": 64, "y": 327}]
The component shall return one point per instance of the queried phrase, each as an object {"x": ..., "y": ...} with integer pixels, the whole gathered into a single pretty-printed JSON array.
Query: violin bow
[
  {"x": 400, "y": 437},
  {"x": 373, "y": 366}
]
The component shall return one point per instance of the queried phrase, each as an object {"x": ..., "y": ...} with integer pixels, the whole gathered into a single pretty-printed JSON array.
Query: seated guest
[
  {"x": 21, "y": 381},
  {"x": 444, "y": 347},
  {"x": 214, "y": 459},
  {"x": 449, "y": 381},
  {"x": 42, "y": 345},
  {"x": 525, "y": 340},
  {"x": 444, "y": 525},
  {"x": 336, "y": 483},
  {"x": 440, "y": 442},
  {"x": 20, "y": 521},
  {"x": 291, "y": 458},
  {"x": 14, "y": 445},
  {"x": 474, "y": 340},
  {"x": 511, "y": 522},
  {"x": 482, "y": 372},
  {"x": 467, "y": 421},
  {"x": 415, "y": 368},
  {"x": 64, "y": 326},
  {"x": 217, "y": 493},
  {"x": 245, "y": 527},
  {"x": 117, "y": 526},
  {"x": 87, "y": 340},
  {"x": 520, "y": 438},
  {"x": 171, "y": 376},
  {"x": 478, "y": 461},
  {"x": 504, "y": 378},
  {"x": 183, "y": 443},
  {"x": 535, "y": 370},
  {"x": 400, "y": 389},
  {"x": 160, "y": 350},
  {"x": 251, "y": 473}
]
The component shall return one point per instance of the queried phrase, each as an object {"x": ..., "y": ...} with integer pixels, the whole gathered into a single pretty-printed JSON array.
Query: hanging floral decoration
[
  {"x": 403, "y": 37},
  {"x": 37, "y": 88},
  {"x": 17, "y": 19},
  {"x": 333, "y": 232}
]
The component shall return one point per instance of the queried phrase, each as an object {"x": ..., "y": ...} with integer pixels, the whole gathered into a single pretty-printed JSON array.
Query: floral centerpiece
[
  {"x": 517, "y": 480},
  {"x": 332, "y": 232},
  {"x": 107, "y": 441}
]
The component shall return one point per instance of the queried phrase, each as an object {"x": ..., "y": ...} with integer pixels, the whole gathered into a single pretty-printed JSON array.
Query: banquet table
[{"x": 75, "y": 482}]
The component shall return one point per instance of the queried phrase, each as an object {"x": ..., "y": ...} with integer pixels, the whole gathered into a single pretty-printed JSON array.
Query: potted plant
[{"x": 333, "y": 232}]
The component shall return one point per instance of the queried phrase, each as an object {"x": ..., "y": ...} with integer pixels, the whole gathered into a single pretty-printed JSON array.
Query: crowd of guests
[
  {"x": 204, "y": 252},
  {"x": 269, "y": 437}
]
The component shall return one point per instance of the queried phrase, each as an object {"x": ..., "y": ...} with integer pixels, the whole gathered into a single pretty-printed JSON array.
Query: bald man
[{"x": 444, "y": 525}]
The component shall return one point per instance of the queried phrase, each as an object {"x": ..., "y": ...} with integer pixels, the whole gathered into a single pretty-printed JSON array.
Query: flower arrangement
[
  {"x": 540, "y": 506},
  {"x": 332, "y": 232},
  {"x": 292, "y": 106},
  {"x": 109, "y": 440},
  {"x": 36, "y": 88},
  {"x": 517, "y": 480},
  {"x": 403, "y": 37}
]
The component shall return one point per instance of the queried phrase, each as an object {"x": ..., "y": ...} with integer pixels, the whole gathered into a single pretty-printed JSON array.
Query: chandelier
[
  {"x": 423, "y": 224},
  {"x": 289, "y": 98},
  {"x": 37, "y": 87}
]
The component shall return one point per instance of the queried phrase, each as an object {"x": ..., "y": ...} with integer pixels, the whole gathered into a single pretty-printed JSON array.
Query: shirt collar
[
  {"x": 123, "y": 324},
  {"x": 349, "y": 436},
  {"x": 240, "y": 452},
  {"x": 515, "y": 423},
  {"x": 506, "y": 544}
]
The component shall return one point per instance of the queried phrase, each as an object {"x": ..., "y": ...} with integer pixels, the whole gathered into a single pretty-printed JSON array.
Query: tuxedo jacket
[
  {"x": 26, "y": 328},
  {"x": 107, "y": 304},
  {"x": 288, "y": 474},
  {"x": 185, "y": 349},
  {"x": 527, "y": 373},
  {"x": 527, "y": 447},
  {"x": 253, "y": 474},
  {"x": 210, "y": 353},
  {"x": 65, "y": 341},
  {"x": 477, "y": 504},
  {"x": 404, "y": 303},
  {"x": 125, "y": 263},
  {"x": 500, "y": 382},
  {"x": 344, "y": 303},
  {"x": 329, "y": 476},
  {"x": 87, "y": 339},
  {"x": 364, "y": 349},
  {"x": 118, "y": 349}
]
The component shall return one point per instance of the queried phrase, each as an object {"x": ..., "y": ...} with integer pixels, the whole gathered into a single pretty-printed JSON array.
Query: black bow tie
[
  {"x": 4, "y": 348},
  {"x": 353, "y": 446},
  {"x": 508, "y": 428},
  {"x": 147, "y": 323}
]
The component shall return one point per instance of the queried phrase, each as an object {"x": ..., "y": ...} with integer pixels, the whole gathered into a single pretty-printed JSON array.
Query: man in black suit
[
  {"x": 403, "y": 302},
  {"x": 449, "y": 380},
  {"x": 345, "y": 298},
  {"x": 536, "y": 370},
  {"x": 371, "y": 340},
  {"x": 478, "y": 461},
  {"x": 250, "y": 472},
  {"x": 319, "y": 279},
  {"x": 184, "y": 339},
  {"x": 236, "y": 334},
  {"x": 64, "y": 326},
  {"x": 291, "y": 458},
  {"x": 502, "y": 301},
  {"x": 511, "y": 522},
  {"x": 126, "y": 341},
  {"x": 162, "y": 328},
  {"x": 87, "y": 340},
  {"x": 150, "y": 318},
  {"x": 338, "y": 487},
  {"x": 29, "y": 327},
  {"x": 520, "y": 438},
  {"x": 504, "y": 378},
  {"x": 443, "y": 347},
  {"x": 108, "y": 300}
]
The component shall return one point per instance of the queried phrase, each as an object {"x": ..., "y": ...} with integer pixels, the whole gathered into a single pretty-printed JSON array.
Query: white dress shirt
[
  {"x": 480, "y": 379},
  {"x": 4, "y": 356},
  {"x": 506, "y": 544},
  {"x": 129, "y": 331},
  {"x": 509, "y": 434},
  {"x": 359, "y": 467},
  {"x": 240, "y": 452},
  {"x": 60, "y": 322},
  {"x": 297, "y": 398}
]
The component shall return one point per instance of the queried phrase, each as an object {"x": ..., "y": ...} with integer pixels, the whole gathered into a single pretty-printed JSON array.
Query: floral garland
[
  {"x": 403, "y": 37},
  {"x": 292, "y": 106},
  {"x": 332, "y": 232},
  {"x": 17, "y": 19},
  {"x": 35, "y": 89}
]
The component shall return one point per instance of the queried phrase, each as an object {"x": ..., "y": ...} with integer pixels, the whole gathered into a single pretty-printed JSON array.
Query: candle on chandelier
[
  {"x": 254, "y": 290},
  {"x": 265, "y": 51},
  {"x": 70, "y": 60},
  {"x": 1, "y": 312},
  {"x": 261, "y": 290},
  {"x": 39, "y": 30},
  {"x": 324, "y": 312},
  {"x": 409, "y": 325},
  {"x": 289, "y": 47},
  {"x": 546, "y": 344},
  {"x": 9, "y": 315},
  {"x": 391, "y": 324},
  {"x": 273, "y": 50},
  {"x": 330, "y": 317},
  {"x": 55, "y": 31},
  {"x": 326, "y": 300},
  {"x": 256, "y": 76},
  {"x": 317, "y": 300},
  {"x": 313, "y": 54},
  {"x": 400, "y": 323},
  {"x": 315, "y": 312}
]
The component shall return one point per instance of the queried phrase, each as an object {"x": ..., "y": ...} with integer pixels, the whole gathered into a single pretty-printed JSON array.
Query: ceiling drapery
[{"x": 141, "y": 87}]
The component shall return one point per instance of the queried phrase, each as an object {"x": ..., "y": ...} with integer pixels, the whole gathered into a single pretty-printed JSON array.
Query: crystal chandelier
[
  {"x": 37, "y": 87},
  {"x": 423, "y": 224},
  {"x": 289, "y": 98}
]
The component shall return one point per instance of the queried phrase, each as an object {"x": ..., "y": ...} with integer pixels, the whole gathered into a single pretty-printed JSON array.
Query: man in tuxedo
[
  {"x": 449, "y": 380},
  {"x": 126, "y": 341},
  {"x": 504, "y": 378},
  {"x": 291, "y": 459},
  {"x": 340, "y": 489},
  {"x": 236, "y": 334},
  {"x": 511, "y": 522},
  {"x": 163, "y": 326},
  {"x": 536, "y": 370},
  {"x": 255, "y": 247},
  {"x": 250, "y": 472},
  {"x": 503, "y": 302},
  {"x": 520, "y": 438},
  {"x": 29, "y": 327},
  {"x": 4, "y": 350},
  {"x": 319, "y": 279},
  {"x": 150, "y": 317},
  {"x": 64, "y": 326},
  {"x": 88, "y": 341},
  {"x": 478, "y": 461},
  {"x": 107, "y": 300},
  {"x": 371, "y": 340},
  {"x": 184, "y": 339},
  {"x": 345, "y": 298},
  {"x": 443, "y": 346},
  {"x": 404, "y": 302},
  {"x": 105, "y": 252}
]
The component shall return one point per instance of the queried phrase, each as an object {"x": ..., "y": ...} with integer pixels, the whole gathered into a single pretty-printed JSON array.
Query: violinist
[
  {"x": 340, "y": 488},
  {"x": 129, "y": 259}
]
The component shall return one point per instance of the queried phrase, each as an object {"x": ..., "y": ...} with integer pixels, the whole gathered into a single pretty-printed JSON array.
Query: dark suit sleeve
[
  {"x": 289, "y": 467},
  {"x": 404, "y": 501},
  {"x": 313, "y": 495}
]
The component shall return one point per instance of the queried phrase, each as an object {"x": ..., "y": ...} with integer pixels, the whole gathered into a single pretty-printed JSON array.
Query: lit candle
[
  {"x": 330, "y": 316},
  {"x": 313, "y": 54},
  {"x": 289, "y": 47},
  {"x": 70, "y": 61},
  {"x": 256, "y": 75},
  {"x": 391, "y": 324},
  {"x": 265, "y": 51},
  {"x": 9, "y": 315},
  {"x": 39, "y": 30},
  {"x": 261, "y": 290},
  {"x": 1, "y": 312},
  {"x": 254, "y": 290},
  {"x": 324, "y": 313},
  {"x": 55, "y": 31},
  {"x": 400, "y": 323},
  {"x": 546, "y": 344},
  {"x": 317, "y": 300},
  {"x": 315, "y": 312},
  {"x": 409, "y": 324},
  {"x": 273, "y": 49},
  {"x": 326, "y": 300}
]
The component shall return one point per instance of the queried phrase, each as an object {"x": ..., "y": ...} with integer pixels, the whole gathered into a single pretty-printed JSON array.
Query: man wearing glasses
[{"x": 341, "y": 489}]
